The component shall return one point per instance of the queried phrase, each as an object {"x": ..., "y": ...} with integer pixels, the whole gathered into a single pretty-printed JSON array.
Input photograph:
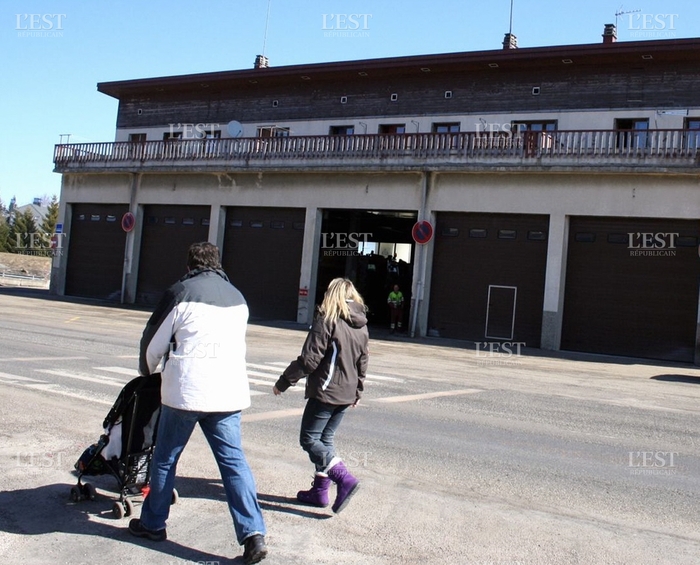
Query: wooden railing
[{"x": 427, "y": 147}]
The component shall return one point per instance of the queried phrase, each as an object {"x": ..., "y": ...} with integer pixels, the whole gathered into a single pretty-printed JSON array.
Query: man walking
[{"x": 198, "y": 329}]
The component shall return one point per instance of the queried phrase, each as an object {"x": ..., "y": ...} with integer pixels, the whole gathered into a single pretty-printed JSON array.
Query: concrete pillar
[
  {"x": 555, "y": 278},
  {"x": 132, "y": 251},
  {"x": 420, "y": 291},
  {"x": 217, "y": 226},
  {"x": 309, "y": 265},
  {"x": 59, "y": 263}
]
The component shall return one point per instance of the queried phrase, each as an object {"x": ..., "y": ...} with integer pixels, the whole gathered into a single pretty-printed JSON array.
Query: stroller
[{"x": 126, "y": 448}]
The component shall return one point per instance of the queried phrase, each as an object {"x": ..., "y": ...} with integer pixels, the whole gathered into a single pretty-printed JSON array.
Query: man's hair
[{"x": 203, "y": 255}]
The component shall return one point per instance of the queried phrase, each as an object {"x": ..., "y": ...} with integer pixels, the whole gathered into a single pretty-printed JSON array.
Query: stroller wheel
[
  {"x": 75, "y": 494},
  {"x": 118, "y": 510},
  {"x": 175, "y": 498},
  {"x": 89, "y": 491},
  {"x": 129, "y": 507}
]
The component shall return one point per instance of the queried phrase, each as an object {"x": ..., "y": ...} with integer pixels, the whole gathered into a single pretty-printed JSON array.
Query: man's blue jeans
[
  {"x": 318, "y": 426},
  {"x": 223, "y": 432}
]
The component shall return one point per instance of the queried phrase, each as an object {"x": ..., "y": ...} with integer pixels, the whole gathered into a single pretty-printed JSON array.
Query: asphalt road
[{"x": 464, "y": 457}]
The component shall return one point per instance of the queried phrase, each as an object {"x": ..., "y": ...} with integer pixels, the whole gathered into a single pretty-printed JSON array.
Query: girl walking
[{"x": 334, "y": 360}]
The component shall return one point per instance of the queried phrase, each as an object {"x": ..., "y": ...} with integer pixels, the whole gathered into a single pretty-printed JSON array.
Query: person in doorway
[
  {"x": 334, "y": 360},
  {"x": 395, "y": 301},
  {"x": 198, "y": 329}
]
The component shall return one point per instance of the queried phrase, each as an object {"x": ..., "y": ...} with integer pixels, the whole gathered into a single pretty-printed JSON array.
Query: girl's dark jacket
[{"x": 334, "y": 359}]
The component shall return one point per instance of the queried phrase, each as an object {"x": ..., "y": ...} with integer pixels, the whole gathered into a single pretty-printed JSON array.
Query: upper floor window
[
  {"x": 341, "y": 130},
  {"x": 546, "y": 125},
  {"x": 634, "y": 134},
  {"x": 392, "y": 128},
  {"x": 134, "y": 137},
  {"x": 451, "y": 127},
  {"x": 213, "y": 134},
  {"x": 692, "y": 138},
  {"x": 273, "y": 131},
  {"x": 172, "y": 135}
]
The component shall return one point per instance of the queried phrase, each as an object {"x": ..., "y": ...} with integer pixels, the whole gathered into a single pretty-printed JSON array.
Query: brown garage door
[
  {"x": 262, "y": 257},
  {"x": 488, "y": 277},
  {"x": 632, "y": 287},
  {"x": 168, "y": 231},
  {"x": 96, "y": 251}
]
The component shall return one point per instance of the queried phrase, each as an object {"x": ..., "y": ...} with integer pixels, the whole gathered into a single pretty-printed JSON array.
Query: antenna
[
  {"x": 510, "y": 29},
  {"x": 621, "y": 12},
  {"x": 267, "y": 21}
]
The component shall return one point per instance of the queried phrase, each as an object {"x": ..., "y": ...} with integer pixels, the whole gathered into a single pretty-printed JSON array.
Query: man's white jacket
[{"x": 198, "y": 331}]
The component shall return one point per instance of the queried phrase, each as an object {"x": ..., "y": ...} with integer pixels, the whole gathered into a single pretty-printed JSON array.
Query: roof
[{"x": 499, "y": 60}]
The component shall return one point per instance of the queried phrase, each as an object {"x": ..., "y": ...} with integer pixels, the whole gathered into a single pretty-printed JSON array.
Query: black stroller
[{"x": 126, "y": 448}]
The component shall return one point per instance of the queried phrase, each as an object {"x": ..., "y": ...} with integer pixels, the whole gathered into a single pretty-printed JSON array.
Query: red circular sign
[
  {"x": 422, "y": 232},
  {"x": 128, "y": 222}
]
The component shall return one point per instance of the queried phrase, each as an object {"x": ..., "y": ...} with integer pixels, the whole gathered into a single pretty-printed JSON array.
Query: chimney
[
  {"x": 610, "y": 33},
  {"x": 510, "y": 41},
  {"x": 261, "y": 62}
]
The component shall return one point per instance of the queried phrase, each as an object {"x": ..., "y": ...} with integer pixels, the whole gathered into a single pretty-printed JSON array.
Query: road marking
[
  {"x": 263, "y": 367},
  {"x": 119, "y": 370},
  {"x": 19, "y": 379},
  {"x": 52, "y": 388},
  {"x": 72, "y": 320},
  {"x": 383, "y": 378},
  {"x": 274, "y": 415},
  {"x": 272, "y": 378},
  {"x": 101, "y": 380},
  {"x": 427, "y": 395},
  {"x": 42, "y": 358}
]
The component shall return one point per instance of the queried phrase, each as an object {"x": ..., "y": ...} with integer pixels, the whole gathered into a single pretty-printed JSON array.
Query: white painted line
[
  {"x": 265, "y": 367},
  {"x": 278, "y": 364},
  {"x": 119, "y": 371},
  {"x": 273, "y": 378},
  {"x": 274, "y": 415},
  {"x": 383, "y": 378},
  {"x": 270, "y": 383},
  {"x": 52, "y": 389},
  {"x": 43, "y": 359},
  {"x": 127, "y": 357},
  {"x": 256, "y": 393},
  {"x": 426, "y": 396},
  {"x": 101, "y": 380},
  {"x": 19, "y": 379}
]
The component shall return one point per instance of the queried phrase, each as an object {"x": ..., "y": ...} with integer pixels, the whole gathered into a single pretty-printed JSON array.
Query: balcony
[{"x": 595, "y": 150}]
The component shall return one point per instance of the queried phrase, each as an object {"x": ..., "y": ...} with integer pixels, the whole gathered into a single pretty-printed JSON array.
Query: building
[{"x": 561, "y": 182}]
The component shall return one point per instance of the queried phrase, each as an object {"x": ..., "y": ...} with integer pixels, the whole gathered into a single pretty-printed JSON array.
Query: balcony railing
[{"x": 587, "y": 147}]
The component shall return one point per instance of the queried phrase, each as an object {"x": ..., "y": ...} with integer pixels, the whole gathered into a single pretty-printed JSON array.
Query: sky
[{"x": 54, "y": 52}]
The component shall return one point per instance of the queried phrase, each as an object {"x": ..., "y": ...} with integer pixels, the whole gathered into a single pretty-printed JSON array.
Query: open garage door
[
  {"x": 96, "y": 251},
  {"x": 262, "y": 257},
  {"x": 167, "y": 233},
  {"x": 488, "y": 277},
  {"x": 632, "y": 287}
]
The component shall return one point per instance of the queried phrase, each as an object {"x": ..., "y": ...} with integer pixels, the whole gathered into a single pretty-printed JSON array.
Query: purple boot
[
  {"x": 347, "y": 485},
  {"x": 318, "y": 495}
]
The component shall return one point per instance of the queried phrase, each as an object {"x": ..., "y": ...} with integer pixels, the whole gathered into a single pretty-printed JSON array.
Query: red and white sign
[
  {"x": 422, "y": 232},
  {"x": 128, "y": 222}
]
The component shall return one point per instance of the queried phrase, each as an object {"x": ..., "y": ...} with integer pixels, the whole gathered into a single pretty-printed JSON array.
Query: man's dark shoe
[
  {"x": 255, "y": 549},
  {"x": 137, "y": 529}
]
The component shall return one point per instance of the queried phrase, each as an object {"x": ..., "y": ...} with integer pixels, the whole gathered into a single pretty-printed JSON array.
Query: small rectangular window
[
  {"x": 95, "y": 218},
  {"x": 341, "y": 130},
  {"x": 111, "y": 218},
  {"x": 81, "y": 217},
  {"x": 187, "y": 221},
  {"x": 478, "y": 232},
  {"x": 507, "y": 234},
  {"x": 277, "y": 225},
  {"x": 618, "y": 238},
  {"x": 450, "y": 232},
  {"x": 537, "y": 235},
  {"x": 585, "y": 237},
  {"x": 205, "y": 221},
  {"x": 256, "y": 224},
  {"x": 452, "y": 127},
  {"x": 169, "y": 220},
  {"x": 236, "y": 223},
  {"x": 137, "y": 137}
]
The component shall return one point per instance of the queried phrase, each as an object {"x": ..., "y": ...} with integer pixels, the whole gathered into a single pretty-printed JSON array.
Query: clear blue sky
[{"x": 50, "y": 79}]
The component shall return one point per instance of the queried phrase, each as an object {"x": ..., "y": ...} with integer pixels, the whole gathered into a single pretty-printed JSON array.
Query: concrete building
[{"x": 561, "y": 184}]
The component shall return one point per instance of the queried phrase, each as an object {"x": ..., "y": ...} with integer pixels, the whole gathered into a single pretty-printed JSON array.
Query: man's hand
[{"x": 276, "y": 391}]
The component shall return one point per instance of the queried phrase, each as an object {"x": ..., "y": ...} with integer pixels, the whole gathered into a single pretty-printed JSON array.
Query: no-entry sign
[
  {"x": 128, "y": 222},
  {"x": 422, "y": 232}
]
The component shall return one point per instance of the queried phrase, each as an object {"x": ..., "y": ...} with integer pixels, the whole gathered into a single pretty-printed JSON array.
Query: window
[
  {"x": 537, "y": 236},
  {"x": 136, "y": 137},
  {"x": 392, "y": 128},
  {"x": 583, "y": 237},
  {"x": 452, "y": 127},
  {"x": 273, "y": 131},
  {"x": 170, "y": 135},
  {"x": 213, "y": 134},
  {"x": 547, "y": 125},
  {"x": 633, "y": 133},
  {"x": 478, "y": 232},
  {"x": 507, "y": 234},
  {"x": 341, "y": 130},
  {"x": 692, "y": 138}
]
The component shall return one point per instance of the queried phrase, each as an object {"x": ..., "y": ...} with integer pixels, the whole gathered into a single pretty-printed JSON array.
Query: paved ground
[{"x": 464, "y": 458}]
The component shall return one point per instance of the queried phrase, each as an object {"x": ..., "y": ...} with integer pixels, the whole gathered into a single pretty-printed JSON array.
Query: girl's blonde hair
[{"x": 335, "y": 301}]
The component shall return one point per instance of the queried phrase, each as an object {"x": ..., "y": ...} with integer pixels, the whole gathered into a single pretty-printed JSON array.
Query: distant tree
[
  {"x": 4, "y": 234},
  {"x": 48, "y": 224},
  {"x": 12, "y": 206},
  {"x": 23, "y": 231}
]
